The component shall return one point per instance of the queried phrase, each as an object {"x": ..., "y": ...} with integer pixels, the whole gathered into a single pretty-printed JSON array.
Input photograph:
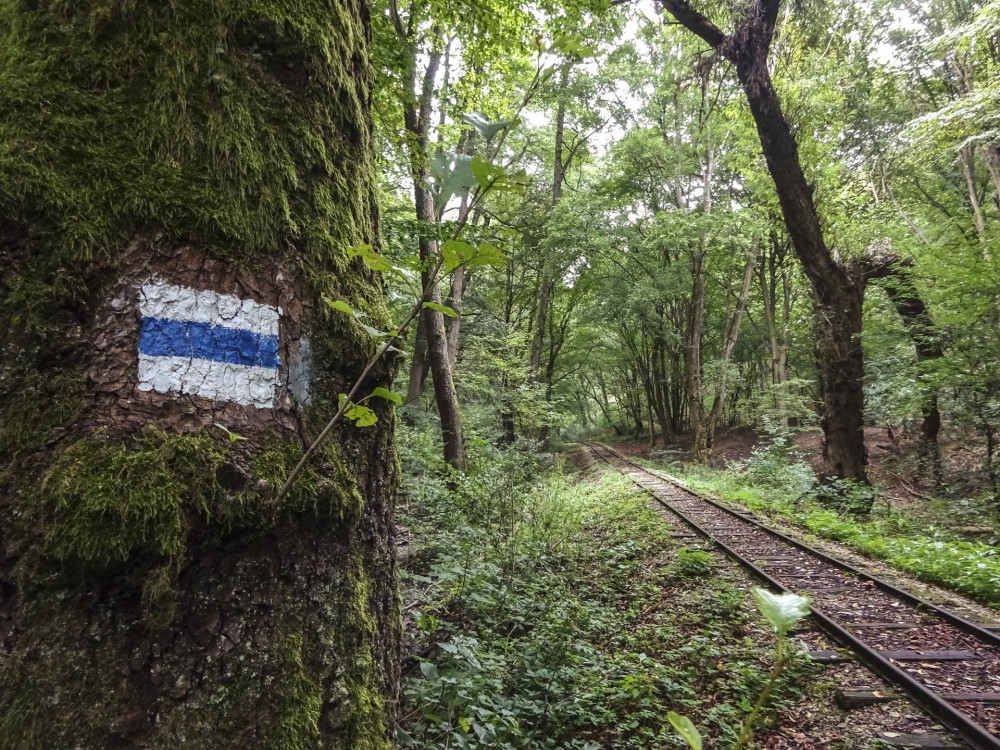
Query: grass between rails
[
  {"x": 557, "y": 613},
  {"x": 777, "y": 482}
]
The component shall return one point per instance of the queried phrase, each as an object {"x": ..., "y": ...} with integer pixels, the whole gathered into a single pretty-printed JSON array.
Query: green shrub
[{"x": 692, "y": 563}]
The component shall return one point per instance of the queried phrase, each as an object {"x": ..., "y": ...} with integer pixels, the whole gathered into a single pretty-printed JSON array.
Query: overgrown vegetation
[{"x": 549, "y": 612}]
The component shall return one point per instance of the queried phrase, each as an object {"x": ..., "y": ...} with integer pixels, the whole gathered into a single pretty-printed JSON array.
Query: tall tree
[
  {"x": 178, "y": 187},
  {"x": 417, "y": 117},
  {"x": 838, "y": 288}
]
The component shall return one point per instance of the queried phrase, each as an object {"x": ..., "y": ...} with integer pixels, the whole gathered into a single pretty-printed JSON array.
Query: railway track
[{"x": 946, "y": 664}]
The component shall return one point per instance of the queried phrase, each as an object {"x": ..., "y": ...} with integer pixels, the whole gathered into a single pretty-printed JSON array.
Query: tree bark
[
  {"x": 445, "y": 395},
  {"x": 154, "y": 592},
  {"x": 837, "y": 293},
  {"x": 992, "y": 154},
  {"x": 772, "y": 270},
  {"x": 696, "y": 397},
  {"x": 966, "y": 157},
  {"x": 696, "y": 325},
  {"x": 927, "y": 344},
  {"x": 418, "y": 364},
  {"x": 546, "y": 282}
]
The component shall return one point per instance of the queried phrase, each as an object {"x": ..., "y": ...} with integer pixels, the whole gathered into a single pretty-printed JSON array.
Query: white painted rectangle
[
  {"x": 220, "y": 381},
  {"x": 158, "y": 299},
  {"x": 207, "y": 344}
]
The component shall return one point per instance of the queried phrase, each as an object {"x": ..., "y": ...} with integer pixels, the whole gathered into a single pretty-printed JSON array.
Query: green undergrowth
[
  {"x": 778, "y": 483},
  {"x": 558, "y": 612}
]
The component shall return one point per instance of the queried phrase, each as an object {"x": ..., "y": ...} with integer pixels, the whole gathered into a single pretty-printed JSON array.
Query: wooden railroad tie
[
  {"x": 830, "y": 657},
  {"x": 930, "y": 655},
  {"x": 885, "y": 625},
  {"x": 918, "y": 741}
]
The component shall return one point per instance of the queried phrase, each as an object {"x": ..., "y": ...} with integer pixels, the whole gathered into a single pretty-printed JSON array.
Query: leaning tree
[
  {"x": 838, "y": 287},
  {"x": 179, "y": 185}
]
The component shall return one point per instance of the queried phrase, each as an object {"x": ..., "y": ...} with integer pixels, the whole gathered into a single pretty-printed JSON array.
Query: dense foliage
[{"x": 650, "y": 286}]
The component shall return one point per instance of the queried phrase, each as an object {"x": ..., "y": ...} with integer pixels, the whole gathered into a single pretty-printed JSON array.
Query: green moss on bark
[
  {"x": 103, "y": 500},
  {"x": 300, "y": 699},
  {"x": 210, "y": 115}
]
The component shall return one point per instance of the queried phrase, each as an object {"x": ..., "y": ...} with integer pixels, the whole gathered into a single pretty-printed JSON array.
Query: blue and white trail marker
[{"x": 207, "y": 344}]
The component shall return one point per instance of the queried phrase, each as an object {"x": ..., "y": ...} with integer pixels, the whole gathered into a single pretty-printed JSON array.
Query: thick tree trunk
[
  {"x": 167, "y": 353},
  {"x": 838, "y": 295}
]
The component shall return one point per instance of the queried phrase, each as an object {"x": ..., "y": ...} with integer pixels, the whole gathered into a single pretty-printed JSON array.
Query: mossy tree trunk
[{"x": 185, "y": 167}]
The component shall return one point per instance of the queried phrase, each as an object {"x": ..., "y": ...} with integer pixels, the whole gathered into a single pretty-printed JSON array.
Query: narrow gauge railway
[{"x": 946, "y": 664}]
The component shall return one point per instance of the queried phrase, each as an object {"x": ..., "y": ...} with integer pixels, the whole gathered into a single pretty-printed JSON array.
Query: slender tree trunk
[
  {"x": 696, "y": 396},
  {"x": 967, "y": 158},
  {"x": 729, "y": 343},
  {"x": 458, "y": 278},
  {"x": 772, "y": 271},
  {"x": 455, "y": 303},
  {"x": 418, "y": 364},
  {"x": 546, "y": 282},
  {"x": 154, "y": 590},
  {"x": 927, "y": 343},
  {"x": 445, "y": 395},
  {"x": 416, "y": 117},
  {"x": 696, "y": 324},
  {"x": 992, "y": 154},
  {"x": 659, "y": 391}
]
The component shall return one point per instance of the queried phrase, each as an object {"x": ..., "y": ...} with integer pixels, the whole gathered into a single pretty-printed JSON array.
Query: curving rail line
[{"x": 947, "y": 665}]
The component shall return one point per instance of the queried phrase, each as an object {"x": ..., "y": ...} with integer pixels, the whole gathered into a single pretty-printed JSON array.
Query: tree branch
[{"x": 695, "y": 22}]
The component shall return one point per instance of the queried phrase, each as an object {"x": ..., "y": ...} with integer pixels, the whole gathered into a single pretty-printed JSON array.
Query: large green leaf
[
  {"x": 457, "y": 253},
  {"x": 362, "y": 415},
  {"x": 781, "y": 610},
  {"x": 372, "y": 259},
  {"x": 343, "y": 307},
  {"x": 444, "y": 309},
  {"x": 450, "y": 175},
  {"x": 484, "y": 127},
  {"x": 685, "y": 729},
  {"x": 495, "y": 177},
  {"x": 385, "y": 393},
  {"x": 571, "y": 45}
]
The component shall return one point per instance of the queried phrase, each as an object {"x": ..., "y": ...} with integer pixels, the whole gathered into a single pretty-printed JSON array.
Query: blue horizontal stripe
[{"x": 162, "y": 337}]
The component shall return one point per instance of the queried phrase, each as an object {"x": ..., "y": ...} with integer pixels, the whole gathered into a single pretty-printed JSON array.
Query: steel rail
[
  {"x": 958, "y": 621},
  {"x": 959, "y": 722}
]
